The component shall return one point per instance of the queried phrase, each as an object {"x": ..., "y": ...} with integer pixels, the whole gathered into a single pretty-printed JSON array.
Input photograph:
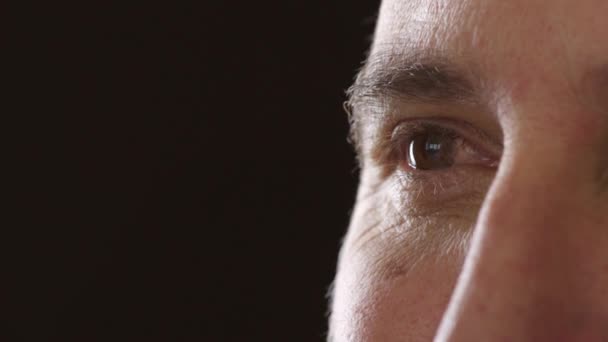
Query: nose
[{"x": 537, "y": 267}]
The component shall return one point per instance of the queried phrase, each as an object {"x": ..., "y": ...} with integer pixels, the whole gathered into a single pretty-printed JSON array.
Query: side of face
[{"x": 482, "y": 211}]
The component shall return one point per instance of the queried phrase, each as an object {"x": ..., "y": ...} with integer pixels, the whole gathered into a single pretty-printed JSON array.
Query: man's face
[{"x": 482, "y": 212}]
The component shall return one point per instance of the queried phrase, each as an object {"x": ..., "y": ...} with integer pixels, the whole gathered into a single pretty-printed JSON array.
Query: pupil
[{"x": 430, "y": 151}]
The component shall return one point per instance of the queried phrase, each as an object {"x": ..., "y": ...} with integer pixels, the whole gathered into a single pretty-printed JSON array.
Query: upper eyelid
[
  {"x": 463, "y": 129},
  {"x": 409, "y": 129}
]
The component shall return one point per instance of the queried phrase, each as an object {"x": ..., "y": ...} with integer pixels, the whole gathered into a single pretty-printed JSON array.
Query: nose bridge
[
  {"x": 528, "y": 228},
  {"x": 544, "y": 194},
  {"x": 526, "y": 275}
]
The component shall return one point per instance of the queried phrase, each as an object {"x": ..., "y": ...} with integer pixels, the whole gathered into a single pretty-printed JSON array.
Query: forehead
[
  {"x": 557, "y": 37},
  {"x": 536, "y": 55}
]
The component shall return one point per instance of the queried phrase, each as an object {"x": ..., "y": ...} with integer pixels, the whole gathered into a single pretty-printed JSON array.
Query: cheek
[
  {"x": 398, "y": 265},
  {"x": 408, "y": 307}
]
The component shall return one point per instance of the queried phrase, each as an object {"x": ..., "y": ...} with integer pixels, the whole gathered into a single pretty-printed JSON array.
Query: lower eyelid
[
  {"x": 443, "y": 185},
  {"x": 426, "y": 180}
]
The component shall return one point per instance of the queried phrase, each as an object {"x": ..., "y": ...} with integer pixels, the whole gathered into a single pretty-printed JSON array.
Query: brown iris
[{"x": 431, "y": 151}]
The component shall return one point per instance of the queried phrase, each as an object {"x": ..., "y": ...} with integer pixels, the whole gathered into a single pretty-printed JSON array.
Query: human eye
[
  {"x": 443, "y": 153},
  {"x": 431, "y": 145}
]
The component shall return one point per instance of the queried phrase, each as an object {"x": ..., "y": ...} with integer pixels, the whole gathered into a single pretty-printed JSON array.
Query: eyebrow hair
[{"x": 410, "y": 79}]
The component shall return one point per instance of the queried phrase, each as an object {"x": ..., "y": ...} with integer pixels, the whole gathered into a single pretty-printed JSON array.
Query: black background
[{"x": 184, "y": 170}]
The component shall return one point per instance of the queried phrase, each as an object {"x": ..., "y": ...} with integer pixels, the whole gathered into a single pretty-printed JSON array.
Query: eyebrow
[{"x": 410, "y": 79}]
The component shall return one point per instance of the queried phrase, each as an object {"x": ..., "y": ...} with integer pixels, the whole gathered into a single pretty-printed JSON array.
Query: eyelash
[{"x": 404, "y": 133}]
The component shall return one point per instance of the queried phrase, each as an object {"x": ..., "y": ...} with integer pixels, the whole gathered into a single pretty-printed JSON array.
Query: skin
[{"x": 515, "y": 250}]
